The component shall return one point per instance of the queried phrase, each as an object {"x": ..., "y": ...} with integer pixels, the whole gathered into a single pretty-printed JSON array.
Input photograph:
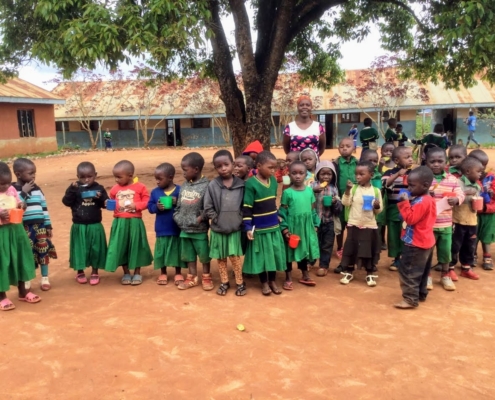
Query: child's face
[
  {"x": 240, "y": 168},
  {"x": 122, "y": 176},
  {"x": 309, "y": 160},
  {"x": 5, "y": 182},
  {"x": 456, "y": 157},
  {"x": 190, "y": 173},
  {"x": 363, "y": 175},
  {"x": 223, "y": 166},
  {"x": 372, "y": 158},
  {"x": 86, "y": 176},
  {"x": 290, "y": 158},
  {"x": 474, "y": 173},
  {"x": 267, "y": 169},
  {"x": 297, "y": 174},
  {"x": 346, "y": 147},
  {"x": 28, "y": 174},
  {"x": 387, "y": 150},
  {"x": 415, "y": 186},
  {"x": 162, "y": 179},
  {"x": 404, "y": 160},
  {"x": 436, "y": 162},
  {"x": 398, "y": 129},
  {"x": 325, "y": 175}
]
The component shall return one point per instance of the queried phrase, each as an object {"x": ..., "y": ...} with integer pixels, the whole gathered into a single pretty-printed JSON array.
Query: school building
[
  {"x": 188, "y": 125},
  {"x": 28, "y": 118}
]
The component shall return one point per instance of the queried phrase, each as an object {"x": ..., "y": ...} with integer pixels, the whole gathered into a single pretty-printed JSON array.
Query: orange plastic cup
[
  {"x": 16, "y": 216},
  {"x": 294, "y": 241},
  {"x": 477, "y": 203}
]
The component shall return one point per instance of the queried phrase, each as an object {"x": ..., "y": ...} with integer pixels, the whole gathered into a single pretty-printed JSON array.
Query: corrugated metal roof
[
  {"x": 123, "y": 99},
  {"x": 17, "y": 90}
]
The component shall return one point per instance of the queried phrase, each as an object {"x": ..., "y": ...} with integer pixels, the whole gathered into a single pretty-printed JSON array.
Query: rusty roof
[{"x": 17, "y": 90}]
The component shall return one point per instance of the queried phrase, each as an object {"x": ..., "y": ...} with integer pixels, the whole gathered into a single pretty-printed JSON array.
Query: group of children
[{"x": 320, "y": 200}]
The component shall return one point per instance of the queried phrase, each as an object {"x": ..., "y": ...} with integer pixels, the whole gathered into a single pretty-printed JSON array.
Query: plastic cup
[
  {"x": 15, "y": 216},
  {"x": 477, "y": 203},
  {"x": 404, "y": 180},
  {"x": 111, "y": 205},
  {"x": 166, "y": 202},
  {"x": 294, "y": 241},
  {"x": 402, "y": 191},
  {"x": 327, "y": 201},
  {"x": 368, "y": 203},
  {"x": 449, "y": 194},
  {"x": 286, "y": 180}
]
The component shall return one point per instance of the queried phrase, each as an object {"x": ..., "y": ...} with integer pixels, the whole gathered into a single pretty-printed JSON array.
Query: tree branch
[
  {"x": 405, "y": 7},
  {"x": 264, "y": 24}
]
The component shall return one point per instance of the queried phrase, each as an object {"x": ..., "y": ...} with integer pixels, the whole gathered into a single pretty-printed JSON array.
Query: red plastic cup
[
  {"x": 449, "y": 194},
  {"x": 294, "y": 241},
  {"x": 404, "y": 180},
  {"x": 15, "y": 216},
  {"x": 477, "y": 203}
]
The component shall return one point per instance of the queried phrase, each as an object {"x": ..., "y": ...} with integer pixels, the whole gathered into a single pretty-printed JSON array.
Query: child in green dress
[
  {"x": 88, "y": 242},
  {"x": 223, "y": 202},
  {"x": 299, "y": 217},
  {"x": 265, "y": 252}
]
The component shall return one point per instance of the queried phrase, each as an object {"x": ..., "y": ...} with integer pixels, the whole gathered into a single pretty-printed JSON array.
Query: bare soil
[{"x": 327, "y": 342}]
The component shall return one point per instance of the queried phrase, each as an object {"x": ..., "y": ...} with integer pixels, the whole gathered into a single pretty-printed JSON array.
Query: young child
[
  {"x": 401, "y": 136},
  {"x": 345, "y": 168},
  {"x": 353, "y": 134},
  {"x": 36, "y": 219},
  {"x": 325, "y": 185},
  {"x": 289, "y": 159},
  {"x": 368, "y": 135},
  {"x": 223, "y": 201},
  {"x": 465, "y": 218},
  {"x": 265, "y": 253},
  {"x": 189, "y": 215},
  {"x": 419, "y": 215},
  {"x": 242, "y": 166},
  {"x": 457, "y": 154},
  {"x": 486, "y": 218},
  {"x": 362, "y": 242},
  {"x": 128, "y": 245},
  {"x": 88, "y": 241},
  {"x": 444, "y": 184},
  {"x": 391, "y": 133},
  {"x": 386, "y": 162},
  {"x": 372, "y": 157},
  {"x": 298, "y": 217},
  {"x": 309, "y": 158},
  {"x": 394, "y": 181},
  {"x": 167, "y": 232},
  {"x": 16, "y": 256}
]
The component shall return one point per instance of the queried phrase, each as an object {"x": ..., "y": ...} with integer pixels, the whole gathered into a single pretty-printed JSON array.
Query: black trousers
[
  {"x": 326, "y": 238},
  {"x": 414, "y": 269},
  {"x": 267, "y": 276},
  {"x": 302, "y": 265},
  {"x": 464, "y": 244}
]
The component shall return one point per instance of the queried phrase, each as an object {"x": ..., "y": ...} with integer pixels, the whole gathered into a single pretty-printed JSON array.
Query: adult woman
[{"x": 304, "y": 133}]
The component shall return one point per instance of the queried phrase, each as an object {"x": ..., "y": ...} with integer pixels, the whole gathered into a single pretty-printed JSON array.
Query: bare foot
[{"x": 403, "y": 305}]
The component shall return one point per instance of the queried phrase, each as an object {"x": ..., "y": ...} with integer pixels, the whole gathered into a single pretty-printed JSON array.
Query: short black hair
[
  {"x": 480, "y": 155},
  {"x": 392, "y": 120},
  {"x": 388, "y": 144},
  {"x": 398, "y": 151},
  {"x": 310, "y": 151},
  {"x": 470, "y": 162},
  {"x": 265, "y": 156},
  {"x": 460, "y": 147},
  {"x": 424, "y": 174},
  {"x": 125, "y": 165},
  {"x": 248, "y": 160},
  {"x": 21, "y": 164},
  {"x": 367, "y": 164},
  {"x": 438, "y": 128},
  {"x": 399, "y": 126},
  {"x": 85, "y": 165},
  {"x": 295, "y": 163},
  {"x": 471, "y": 113},
  {"x": 194, "y": 160},
  {"x": 366, "y": 153},
  {"x": 5, "y": 170},
  {"x": 435, "y": 150},
  {"x": 167, "y": 168},
  {"x": 367, "y": 121},
  {"x": 223, "y": 153}
]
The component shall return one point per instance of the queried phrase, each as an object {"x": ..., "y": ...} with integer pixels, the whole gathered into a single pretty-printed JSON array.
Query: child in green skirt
[
  {"x": 167, "y": 231},
  {"x": 128, "y": 246},
  {"x": 265, "y": 252},
  {"x": 88, "y": 242},
  {"x": 16, "y": 257},
  {"x": 193, "y": 223},
  {"x": 223, "y": 201}
]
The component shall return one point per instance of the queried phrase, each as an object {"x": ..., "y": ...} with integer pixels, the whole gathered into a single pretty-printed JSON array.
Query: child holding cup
[
  {"x": 363, "y": 241},
  {"x": 162, "y": 203}
]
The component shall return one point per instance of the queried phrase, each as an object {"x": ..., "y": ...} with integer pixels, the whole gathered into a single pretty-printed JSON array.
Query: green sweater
[{"x": 368, "y": 135}]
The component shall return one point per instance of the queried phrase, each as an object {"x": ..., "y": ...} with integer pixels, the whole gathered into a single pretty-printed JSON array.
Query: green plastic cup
[
  {"x": 166, "y": 202},
  {"x": 327, "y": 201}
]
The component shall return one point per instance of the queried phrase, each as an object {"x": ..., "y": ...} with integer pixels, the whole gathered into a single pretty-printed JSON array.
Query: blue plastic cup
[
  {"x": 111, "y": 205},
  {"x": 402, "y": 191},
  {"x": 368, "y": 203}
]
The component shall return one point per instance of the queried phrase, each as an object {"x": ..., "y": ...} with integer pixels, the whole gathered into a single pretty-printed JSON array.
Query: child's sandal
[
  {"x": 288, "y": 285},
  {"x": 241, "y": 290},
  {"x": 207, "y": 282},
  {"x": 191, "y": 281},
  {"x": 222, "y": 290},
  {"x": 178, "y": 279}
]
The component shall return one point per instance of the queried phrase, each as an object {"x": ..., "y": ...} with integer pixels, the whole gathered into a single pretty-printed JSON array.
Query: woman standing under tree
[{"x": 304, "y": 132}]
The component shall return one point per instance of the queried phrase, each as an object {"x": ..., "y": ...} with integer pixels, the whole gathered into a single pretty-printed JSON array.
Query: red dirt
[{"x": 331, "y": 341}]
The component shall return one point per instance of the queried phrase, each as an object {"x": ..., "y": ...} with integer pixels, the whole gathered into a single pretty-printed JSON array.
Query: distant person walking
[
  {"x": 108, "y": 140},
  {"x": 353, "y": 134},
  {"x": 471, "y": 123}
]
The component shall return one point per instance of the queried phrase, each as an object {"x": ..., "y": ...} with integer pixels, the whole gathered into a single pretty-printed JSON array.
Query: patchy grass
[{"x": 421, "y": 128}]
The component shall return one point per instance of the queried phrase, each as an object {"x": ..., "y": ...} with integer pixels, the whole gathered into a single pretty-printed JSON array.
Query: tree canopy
[{"x": 451, "y": 40}]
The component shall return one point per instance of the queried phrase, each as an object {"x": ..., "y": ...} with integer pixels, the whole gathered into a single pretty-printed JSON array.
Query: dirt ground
[{"x": 327, "y": 342}]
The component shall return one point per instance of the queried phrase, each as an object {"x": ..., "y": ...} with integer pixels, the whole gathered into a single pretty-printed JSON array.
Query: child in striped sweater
[
  {"x": 444, "y": 185},
  {"x": 36, "y": 220}
]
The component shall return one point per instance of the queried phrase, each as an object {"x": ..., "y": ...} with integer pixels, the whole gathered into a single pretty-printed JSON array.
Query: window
[
  {"x": 351, "y": 117},
  {"x": 62, "y": 126},
  {"x": 126, "y": 125},
  {"x": 25, "y": 119},
  {"x": 201, "y": 123},
  {"x": 386, "y": 116},
  {"x": 93, "y": 125}
]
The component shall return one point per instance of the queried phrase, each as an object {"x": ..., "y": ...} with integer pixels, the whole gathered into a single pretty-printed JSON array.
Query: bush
[{"x": 69, "y": 147}]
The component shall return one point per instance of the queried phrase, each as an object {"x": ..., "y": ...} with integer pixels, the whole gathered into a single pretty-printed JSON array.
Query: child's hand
[
  {"x": 130, "y": 207},
  {"x": 317, "y": 189},
  {"x": 106, "y": 203},
  {"x": 402, "y": 172},
  {"x": 250, "y": 235},
  {"x": 98, "y": 195},
  {"x": 286, "y": 235},
  {"x": 376, "y": 204},
  {"x": 28, "y": 186},
  {"x": 349, "y": 184},
  {"x": 453, "y": 201},
  {"x": 160, "y": 206},
  {"x": 74, "y": 184},
  {"x": 403, "y": 197},
  {"x": 470, "y": 192},
  {"x": 334, "y": 200},
  {"x": 4, "y": 215},
  {"x": 49, "y": 233},
  {"x": 199, "y": 219}
]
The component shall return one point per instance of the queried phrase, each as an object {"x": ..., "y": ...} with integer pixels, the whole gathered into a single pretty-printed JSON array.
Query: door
[{"x": 328, "y": 124}]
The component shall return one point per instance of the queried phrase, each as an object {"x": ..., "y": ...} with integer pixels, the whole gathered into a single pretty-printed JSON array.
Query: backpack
[{"x": 347, "y": 209}]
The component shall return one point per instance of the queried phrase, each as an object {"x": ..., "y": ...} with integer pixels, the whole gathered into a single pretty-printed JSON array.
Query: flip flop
[
  {"x": 266, "y": 291},
  {"x": 274, "y": 289},
  {"x": 81, "y": 278},
  {"x": 126, "y": 279},
  {"x": 94, "y": 279},
  {"x": 136, "y": 280},
  {"x": 30, "y": 298},
  {"x": 162, "y": 280},
  {"x": 6, "y": 305},
  {"x": 288, "y": 285},
  {"x": 307, "y": 282},
  {"x": 178, "y": 279}
]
